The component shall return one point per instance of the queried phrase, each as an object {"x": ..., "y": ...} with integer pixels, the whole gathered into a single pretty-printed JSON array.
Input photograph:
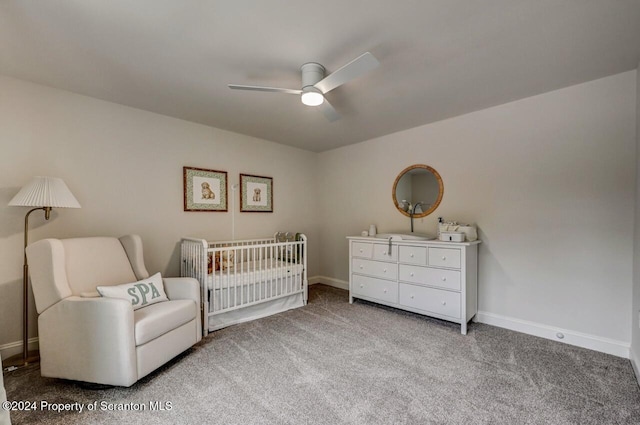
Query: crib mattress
[{"x": 251, "y": 272}]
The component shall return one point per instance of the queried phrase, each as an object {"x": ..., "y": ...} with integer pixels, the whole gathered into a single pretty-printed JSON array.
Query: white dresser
[{"x": 434, "y": 278}]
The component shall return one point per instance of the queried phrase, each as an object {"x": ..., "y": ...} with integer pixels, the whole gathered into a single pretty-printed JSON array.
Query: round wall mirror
[{"x": 418, "y": 184}]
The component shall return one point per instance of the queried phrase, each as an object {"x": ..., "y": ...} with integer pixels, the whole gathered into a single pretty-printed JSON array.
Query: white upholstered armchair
[{"x": 86, "y": 337}]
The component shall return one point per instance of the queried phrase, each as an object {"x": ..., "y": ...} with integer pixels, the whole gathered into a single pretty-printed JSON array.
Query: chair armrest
[
  {"x": 182, "y": 288},
  {"x": 89, "y": 339},
  {"x": 185, "y": 288}
]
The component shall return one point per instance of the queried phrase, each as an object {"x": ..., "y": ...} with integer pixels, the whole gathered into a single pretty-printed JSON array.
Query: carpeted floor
[{"x": 335, "y": 363}]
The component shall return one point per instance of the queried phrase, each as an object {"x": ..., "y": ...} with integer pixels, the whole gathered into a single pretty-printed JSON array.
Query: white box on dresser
[{"x": 434, "y": 278}]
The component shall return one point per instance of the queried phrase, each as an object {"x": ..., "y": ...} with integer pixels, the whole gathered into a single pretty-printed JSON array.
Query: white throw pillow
[{"x": 142, "y": 293}]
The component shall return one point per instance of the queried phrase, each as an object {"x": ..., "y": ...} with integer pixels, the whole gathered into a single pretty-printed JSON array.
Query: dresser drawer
[
  {"x": 383, "y": 290},
  {"x": 436, "y": 301},
  {"x": 448, "y": 279},
  {"x": 444, "y": 257},
  {"x": 413, "y": 255},
  {"x": 362, "y": 249},
  {"x": 381, "y": 252},
  {"x": 375, "y": 268}
]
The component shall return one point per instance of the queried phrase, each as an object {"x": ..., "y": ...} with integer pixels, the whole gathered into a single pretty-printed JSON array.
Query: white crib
[{"x": 248, "y": 279}]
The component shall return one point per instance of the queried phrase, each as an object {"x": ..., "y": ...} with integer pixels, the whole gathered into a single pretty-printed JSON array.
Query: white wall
[
  {"x": 635, "y": 310},
  {"x": 125, "y": 168},
  {"x": 549, "y": 180}
]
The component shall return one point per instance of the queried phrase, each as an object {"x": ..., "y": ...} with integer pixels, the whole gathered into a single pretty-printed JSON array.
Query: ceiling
[{"x": 438, "y": 58}]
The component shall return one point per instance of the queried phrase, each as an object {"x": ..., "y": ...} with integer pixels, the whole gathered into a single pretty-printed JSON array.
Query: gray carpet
[{"x": 335, "y": 363}]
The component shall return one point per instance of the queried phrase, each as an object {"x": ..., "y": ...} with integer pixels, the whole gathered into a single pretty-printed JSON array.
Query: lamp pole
[
  {"x": 24, "y": 359},
  {"x": 25, "y": 290}
]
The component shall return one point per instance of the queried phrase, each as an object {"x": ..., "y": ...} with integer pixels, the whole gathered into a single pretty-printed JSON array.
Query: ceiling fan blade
[
  {"x": 357, "y": 67},
  {"x": 329, "y": 112},
  {"x": 268, "y": 89}
]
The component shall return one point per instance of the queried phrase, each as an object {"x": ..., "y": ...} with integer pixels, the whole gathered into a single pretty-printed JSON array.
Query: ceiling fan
[{"x": 315, "y": 85}]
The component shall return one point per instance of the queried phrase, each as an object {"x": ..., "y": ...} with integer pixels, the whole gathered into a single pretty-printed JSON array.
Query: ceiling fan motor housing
[{"x": 311, "y": 73}]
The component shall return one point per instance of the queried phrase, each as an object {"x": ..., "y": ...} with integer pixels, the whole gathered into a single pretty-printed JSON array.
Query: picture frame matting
[
  {"x": 256, "y": 193},
  {"x": 204, "y": 190}
]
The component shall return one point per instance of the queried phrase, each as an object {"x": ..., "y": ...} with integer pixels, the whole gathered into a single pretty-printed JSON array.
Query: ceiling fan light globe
[{"x": 312, "y": 98}]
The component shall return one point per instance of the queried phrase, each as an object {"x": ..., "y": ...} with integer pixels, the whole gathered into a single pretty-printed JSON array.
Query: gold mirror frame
[{"x": 434, "y": 205}]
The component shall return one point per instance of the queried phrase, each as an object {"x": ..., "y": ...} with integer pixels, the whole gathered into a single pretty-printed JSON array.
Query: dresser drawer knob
[
  {"x": 411, "y": 297},
  {"x": 411, "y": 274},
  {"x": 384, "y": 271},
  {"x": 444, "y": 258},
  {"x": 444, "y": 278},
  {"x": 385, "y": 291},
  {"x": 361, "y": 267},
  {"x": 361, "y": 250},
  {"x": 361, "y": 285},
  {"x": 411, "y": 255},
  {"x": 444, "y": 303}
]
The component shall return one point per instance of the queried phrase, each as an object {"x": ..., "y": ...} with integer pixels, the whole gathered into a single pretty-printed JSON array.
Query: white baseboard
[
  {"x": 329, "y": 281},
  {"x": 592, "y": 342},
  {"x": 13, "y": 348}
]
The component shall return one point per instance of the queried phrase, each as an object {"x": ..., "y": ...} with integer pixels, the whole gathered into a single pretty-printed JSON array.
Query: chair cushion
[{"x": 156, "y": 320}]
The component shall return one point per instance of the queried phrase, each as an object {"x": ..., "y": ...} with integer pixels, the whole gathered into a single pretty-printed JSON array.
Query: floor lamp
[{"x": 43, "y": 193}]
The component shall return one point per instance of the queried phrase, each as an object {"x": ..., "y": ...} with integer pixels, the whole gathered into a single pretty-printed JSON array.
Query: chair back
[
  {"x": 60, "y": 268},
  {"x": 98, "y": 261}
]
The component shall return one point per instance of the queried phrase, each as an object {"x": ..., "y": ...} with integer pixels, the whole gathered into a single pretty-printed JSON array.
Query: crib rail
[{"x": 238, "y": 274}]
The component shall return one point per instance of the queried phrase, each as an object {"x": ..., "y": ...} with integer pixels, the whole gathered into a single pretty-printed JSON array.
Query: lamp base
[{"x": 18, "y": 361}]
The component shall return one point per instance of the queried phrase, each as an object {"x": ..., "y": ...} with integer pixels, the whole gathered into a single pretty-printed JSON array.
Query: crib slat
[
  {"x": 241, "y": 276},
  {"x": 227, "y": 280},
  {"x": 253, "y": 259},
  {"x": 271, "y": 272}
]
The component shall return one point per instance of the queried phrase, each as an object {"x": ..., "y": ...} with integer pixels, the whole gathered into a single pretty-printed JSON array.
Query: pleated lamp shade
[{"x": 45, "y": 192}]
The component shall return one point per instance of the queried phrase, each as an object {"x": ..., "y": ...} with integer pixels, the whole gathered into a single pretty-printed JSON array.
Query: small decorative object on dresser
[
  {"x": 434, "y": 278},
  {"x": 256, "y": 193},
  {"x": 204, "y": 190}
]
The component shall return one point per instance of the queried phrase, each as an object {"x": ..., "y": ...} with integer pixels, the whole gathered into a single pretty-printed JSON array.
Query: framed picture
[
  {"x": 204, "y": 190},
  {"x": 256, "y": 193}
]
